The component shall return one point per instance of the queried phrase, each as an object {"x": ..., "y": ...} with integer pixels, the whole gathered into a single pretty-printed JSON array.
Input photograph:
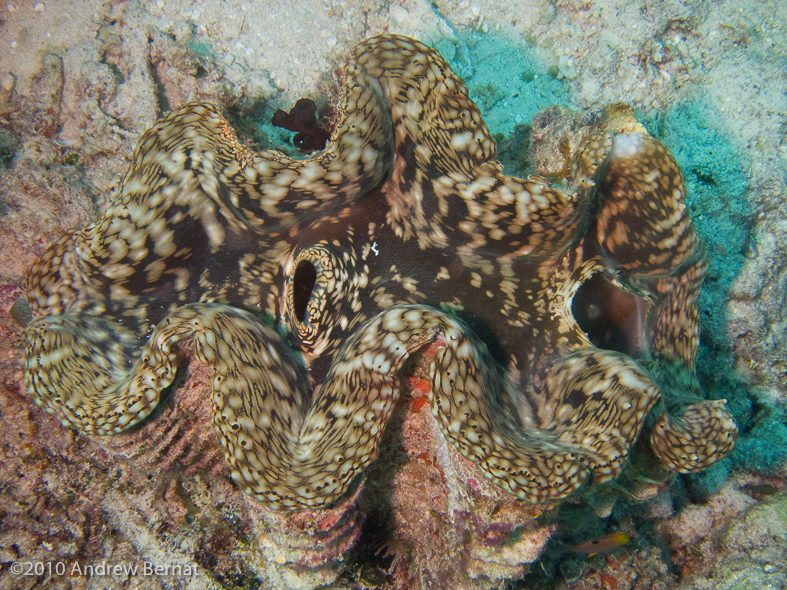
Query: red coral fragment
[
  {"x": 302, "y": 118},
  {"x": 420, "y": 388}
]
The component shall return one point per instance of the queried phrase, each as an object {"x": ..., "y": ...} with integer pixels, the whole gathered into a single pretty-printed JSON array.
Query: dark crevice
[
  {"x": 161, "y": 93},
  {"x": 303, "y": 281},
  {"x": 612, "y": 318}
]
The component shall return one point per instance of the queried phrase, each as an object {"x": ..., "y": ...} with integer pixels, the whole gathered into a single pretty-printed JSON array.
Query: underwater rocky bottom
[{"x": 427, "y": 511}]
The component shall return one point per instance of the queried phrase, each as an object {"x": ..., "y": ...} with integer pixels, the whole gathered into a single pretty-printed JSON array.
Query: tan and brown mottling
[{"x": 402, "y": 233}]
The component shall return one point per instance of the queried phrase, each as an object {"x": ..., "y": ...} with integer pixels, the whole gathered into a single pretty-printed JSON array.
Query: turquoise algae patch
[{"x": 508, "y": 80}]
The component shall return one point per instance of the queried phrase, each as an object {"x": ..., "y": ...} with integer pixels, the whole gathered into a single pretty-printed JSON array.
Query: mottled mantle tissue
[{"x": 306, "y": 286}]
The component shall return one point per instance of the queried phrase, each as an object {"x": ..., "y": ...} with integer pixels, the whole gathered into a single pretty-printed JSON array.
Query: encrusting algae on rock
[{"x": 402, "y": 243}]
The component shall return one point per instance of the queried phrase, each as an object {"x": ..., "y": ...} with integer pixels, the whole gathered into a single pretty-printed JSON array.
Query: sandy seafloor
[{"x": 80, "y": 81}]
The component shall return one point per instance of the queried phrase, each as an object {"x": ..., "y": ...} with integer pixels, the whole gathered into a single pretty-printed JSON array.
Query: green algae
[{"x": 509, "y": 76}]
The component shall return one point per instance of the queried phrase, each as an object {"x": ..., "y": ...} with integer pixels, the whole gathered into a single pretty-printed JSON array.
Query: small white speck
[
  {"x": 7, "y": 81},
  {"x": 10, "y": 7},
  {"x": 38, "y": 7},
  {"x": 374, "y": 249},
  {"x": 13, "y": 44}
]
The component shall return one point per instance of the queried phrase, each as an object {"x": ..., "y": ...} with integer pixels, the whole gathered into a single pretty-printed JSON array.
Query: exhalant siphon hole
[
  {"x": 611, "y": 318},
  {"x": 303, "y": 282}
]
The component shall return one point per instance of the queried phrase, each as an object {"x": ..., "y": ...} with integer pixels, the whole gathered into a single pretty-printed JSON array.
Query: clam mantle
[{"x": 306, "y": 286}]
